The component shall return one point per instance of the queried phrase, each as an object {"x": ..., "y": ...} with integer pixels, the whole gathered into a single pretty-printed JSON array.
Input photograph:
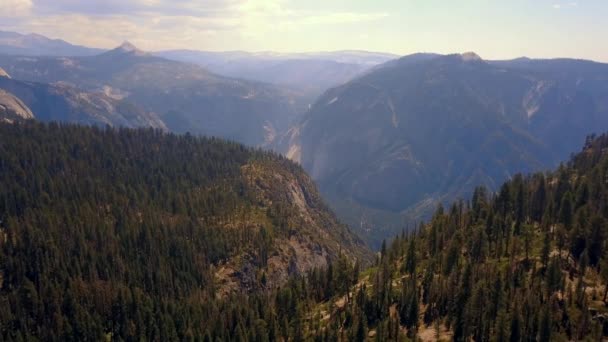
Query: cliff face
[
  {"x": 12, "y": 108},
  {"x": 4, "y": 73},
  {"x": 312, "y": 236}
]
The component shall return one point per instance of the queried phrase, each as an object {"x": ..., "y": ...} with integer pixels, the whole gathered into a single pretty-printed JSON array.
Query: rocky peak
[
  {"x": 470, "y": 57},
  {"x": 4, "y": 73},
  {"x": 12, "y": 108},
  {"x": 129, "y": 49}
]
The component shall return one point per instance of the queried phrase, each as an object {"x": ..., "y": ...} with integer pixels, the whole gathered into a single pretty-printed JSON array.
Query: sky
[{"x": 494, "y": 29}]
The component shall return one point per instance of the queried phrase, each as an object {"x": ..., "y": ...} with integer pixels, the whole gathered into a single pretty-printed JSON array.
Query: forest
[
  {"x": 113, "y": 234},
  {"x": 118, "y": 234},
  {"x": 526, "y": 263}
]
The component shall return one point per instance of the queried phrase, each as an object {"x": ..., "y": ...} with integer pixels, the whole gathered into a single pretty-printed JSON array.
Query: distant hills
[
  {"x": 62, "y": 102},
  {"x": 23, "y": 100},
  {"x": 185, "y": 96},
  {"x": 306, "y": 75},
  {"x": 12, "y": 43},
  {"x": 392, "y": 144},
  {"x": 248, "y": 97},
  {"x": 311, "y": 72}
]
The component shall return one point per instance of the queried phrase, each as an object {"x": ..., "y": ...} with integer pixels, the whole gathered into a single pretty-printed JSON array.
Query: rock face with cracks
[
  {"x": 12, "y": 108},
  {"x": 314, "y": 236}
]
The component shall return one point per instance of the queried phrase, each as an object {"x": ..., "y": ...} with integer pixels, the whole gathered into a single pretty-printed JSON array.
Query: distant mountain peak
[
  {"x": 4, "y": 73},
  {"x": 128, "y": 48},
  {"x": 470, "y": 57}
]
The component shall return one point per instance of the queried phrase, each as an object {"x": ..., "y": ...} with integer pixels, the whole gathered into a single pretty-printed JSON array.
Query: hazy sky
[{"x": 492, "y": 28}]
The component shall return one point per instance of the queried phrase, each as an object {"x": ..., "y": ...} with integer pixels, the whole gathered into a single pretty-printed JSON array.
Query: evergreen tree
[
  {"x": 545, "y": 328},
  {"x": 410, "y": 261}
]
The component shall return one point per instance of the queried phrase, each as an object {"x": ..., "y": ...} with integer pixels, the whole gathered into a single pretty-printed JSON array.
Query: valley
[
  {"x": 425, "y": 129},
  {"x": 387, "y": 141}
]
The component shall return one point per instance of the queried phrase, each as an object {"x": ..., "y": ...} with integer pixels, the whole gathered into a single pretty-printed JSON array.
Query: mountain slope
[
  {"x": 12, "y": 43},
  {"x": 93, "y": 219},
  {"x": 568, "y": 100},
  {"x": 528, "y": 263},
  {"x": 187, "y": 97},
  {"x": 61, "y": 102},
  {"x": 427, "y": 129}
]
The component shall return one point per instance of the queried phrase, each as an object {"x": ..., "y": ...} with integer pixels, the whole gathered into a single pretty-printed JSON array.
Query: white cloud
[
  {"x": 559, "y": 6},
  {"x": 15, "y": 8},
  {"x": 168, "y": 24},
  {"x": 261, "y": 18},
  {"x": 148, "y": 32},
  {"x": 342, "y": 18}
]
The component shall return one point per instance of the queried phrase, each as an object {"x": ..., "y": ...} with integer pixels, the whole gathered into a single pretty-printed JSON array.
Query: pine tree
[
  {"x": 566, "y": 211},
  {"x": 361, "y": 328},
  {"x": 410, "y": 259},
  {"x": 545, "y": 328},
  {"x": 546, "y": 250},
  {"x": 501, "y": 330},
  {"x": 539, "y": 199},
  {"x": 516, "y": 326}
]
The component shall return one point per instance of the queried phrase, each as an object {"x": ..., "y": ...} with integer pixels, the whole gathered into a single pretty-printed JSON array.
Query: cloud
[
  {"x": 559, "y": 6},
  {"x": 263, "y": 18},
  {"x": 136, "y": 7},
  {"x": 15, "y": 8},
  {"x": 147, "y": 31},
  {"x": 164, "y": 24}
]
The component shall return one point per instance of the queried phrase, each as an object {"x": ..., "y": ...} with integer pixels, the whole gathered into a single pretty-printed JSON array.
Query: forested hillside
[
  {"x": 526, "y": 263},
  {"x": 130, "y": 234},
  {"x": 139, "y": 234}
]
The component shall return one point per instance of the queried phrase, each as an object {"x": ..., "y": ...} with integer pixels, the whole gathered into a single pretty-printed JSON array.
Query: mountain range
[
  {"x": 311, "y": 73},
  {"x": 388, "y": 146},
  {"x": 186, "y": 97},
  {"x": 234, "y": 196},
  {"x": 13, "y": 43},
  {"x": 24, "y": 100},
  {"x": 305, "y": 75},
  {"x": 386, "y": 139}
]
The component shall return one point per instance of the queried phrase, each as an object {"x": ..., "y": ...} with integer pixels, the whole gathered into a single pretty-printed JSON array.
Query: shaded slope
[{"x": 425, "y": 129}]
